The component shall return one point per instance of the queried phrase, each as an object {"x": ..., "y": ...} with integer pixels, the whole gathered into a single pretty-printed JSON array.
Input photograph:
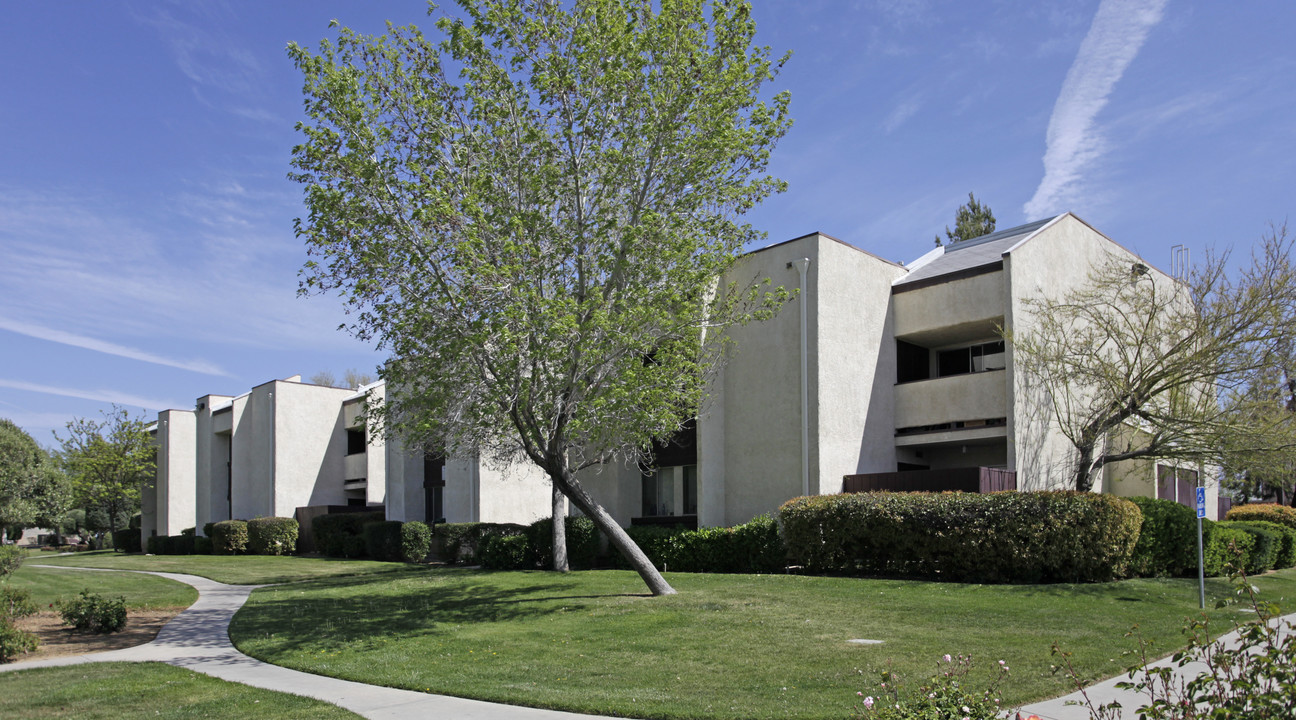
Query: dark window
[
  {"x": 356, "y": 502},
  {"x": 978, "y": 358},
  {"x": 690, "y": 489},
  {"x": 659, "y": 493},
  {"x": 433, "y": 510},
  {"x": 913, "y": 362},
  {"x": 355, "y": 441}
]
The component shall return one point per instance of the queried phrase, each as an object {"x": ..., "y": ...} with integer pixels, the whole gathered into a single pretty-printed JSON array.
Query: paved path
[{"x": 198, "y": 639}]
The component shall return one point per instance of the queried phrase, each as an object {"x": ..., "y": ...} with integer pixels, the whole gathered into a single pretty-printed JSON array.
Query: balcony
[
  {"x": 355, "y": 467},
  {"x": 964, "y": 479},
  {"x": 956, "y": 398}
]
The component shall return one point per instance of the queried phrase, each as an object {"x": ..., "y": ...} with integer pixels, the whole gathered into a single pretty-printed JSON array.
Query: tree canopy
[
  {"x": 533, "y": 213},
  {"x": 109, "y": 462},
  {"x": 1138, "y": 364},
  {"x": 972, "y": 220},
  {"x": 33, "y": 492}
]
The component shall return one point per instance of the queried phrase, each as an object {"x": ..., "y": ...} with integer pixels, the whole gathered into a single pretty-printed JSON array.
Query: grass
[
  {"x": 118, "y": 691},
  {"x": 142, "y": 592},
  {"x": 726, "y": 647},
  {"x": 234, "y": 570}
]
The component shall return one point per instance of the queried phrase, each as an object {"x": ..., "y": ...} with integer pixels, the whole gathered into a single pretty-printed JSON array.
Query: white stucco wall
[
  {"x": 309, "y": 446},
  {"x": 176, "y": 463},
  {"x": 211, "y": 471},
  {"x": 1051, "y": 264},
  {"x": 251, "y": 444}
]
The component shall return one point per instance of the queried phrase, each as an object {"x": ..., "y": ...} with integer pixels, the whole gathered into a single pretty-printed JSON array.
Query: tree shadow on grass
[{"x": 329, "y": 613}]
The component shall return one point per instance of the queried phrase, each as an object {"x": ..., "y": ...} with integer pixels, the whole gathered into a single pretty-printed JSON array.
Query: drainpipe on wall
[{"x": 802, "y": 266}]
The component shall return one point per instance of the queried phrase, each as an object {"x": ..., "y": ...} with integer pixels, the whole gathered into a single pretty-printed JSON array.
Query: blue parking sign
[{"x": 1201, "y": 502}]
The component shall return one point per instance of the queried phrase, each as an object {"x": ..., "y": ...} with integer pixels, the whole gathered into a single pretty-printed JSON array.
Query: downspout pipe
[{"x": 802, "y": 266}]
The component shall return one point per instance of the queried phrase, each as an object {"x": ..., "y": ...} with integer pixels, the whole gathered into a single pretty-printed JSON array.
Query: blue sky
[{"x": 146, "y": 247}]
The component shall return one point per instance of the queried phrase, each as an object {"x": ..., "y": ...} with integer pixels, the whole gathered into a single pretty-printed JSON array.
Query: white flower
[{"x": 868, "y": 702}]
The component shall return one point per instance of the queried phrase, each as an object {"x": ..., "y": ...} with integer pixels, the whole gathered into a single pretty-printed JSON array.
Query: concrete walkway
[{"x": 198, "y": 639}]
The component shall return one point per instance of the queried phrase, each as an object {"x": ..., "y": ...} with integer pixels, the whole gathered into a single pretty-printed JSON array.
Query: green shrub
[
  {"x": 1167, "y": 541},
  {"x": 505, "y": 552},
  {"x": 461, "y": 542},
  {"x": 342, "y": 534},
  {"x": 967, "y": 537},
  {"x": 10, "y": 560},
  {"x": 15, "y": 642},
  {"x": 128, "y": 540},
  {"x": 202, "y": 546},
  {"x": 1267, "y": 512},
  {"x": 582, "y": 542},
  {"x": 229, "y": 537},
  {"x": 383, "y": 540},
  {"x": 415, "y": 541},
  {"x": 93, "y": 612},
  {"x": 153, "y": 546},
  {"x": 752, "y": 547},
  {"x": 15, "y": 603},
  {"x": 208, "y": 529},
  {"x": 272, "y": 536},
  {"x": 189, "y": 532},
  {"x": 1224, "y": 547},
  {"x": 1268, "y": 545}
]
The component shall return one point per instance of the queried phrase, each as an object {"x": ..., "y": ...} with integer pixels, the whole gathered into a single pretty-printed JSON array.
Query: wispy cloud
[
  {"x": 901, "y": 113},
  {"x": 1120, "y": 27},
  {"x": 66, "y": 338},
  {"x": 100, "y": 395}
]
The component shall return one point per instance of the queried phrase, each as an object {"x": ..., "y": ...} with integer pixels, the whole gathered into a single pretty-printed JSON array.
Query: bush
[
  {"x": 229, "y": 537},
  {"x": 341, "y": 534},
  {"x": 128, "y": 540},
  {"x": 1266, "y": 548},
  {"x": 202, "y": 546},
  {"x": 383, "y": 540},
  {"x": 505, "y": 552},
  {"x": 970, "y": 537},
  {"x": 654, "y": 540},
  {"x": 209, "y": 529},
  {"x": 462, "y": 542},
  {"x": 15, "y": 642},
  {"x": 1225, "y": 547},
  {"x": 93, "y": 612},
  {"x": 582, "y": 542},
  {"x": 272, "y": 536},
  {"x": 15, "y": 603},
  {"x": 10, "y": 560},
  {"x": 415, "y": 541},
  {"x": 1167, "y": 541},
  {"x": 1267, "y": 512}
]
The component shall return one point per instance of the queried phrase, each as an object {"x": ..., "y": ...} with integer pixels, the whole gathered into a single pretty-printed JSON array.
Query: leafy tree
[
  {"x": 531, "y": 214},
  {"x": 351, "y": 379},
  {"x": 1137, "y": 364},
  {"x": 1270, "y": 399},
  {"x": 971, "y": 221},
  {"x": 109, "y": 461},
  {"x": 33, "y": 492}
]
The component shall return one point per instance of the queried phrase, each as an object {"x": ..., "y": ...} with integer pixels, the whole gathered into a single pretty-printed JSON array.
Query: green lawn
[
  {"x": 142, "y": 592},
  {"x": 726, "y": 647},
  {"x": 124, "y": 691},
  {"x": 234, "y": 570}
]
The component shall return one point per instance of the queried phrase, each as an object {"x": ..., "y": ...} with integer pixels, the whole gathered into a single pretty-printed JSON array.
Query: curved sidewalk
[{"x": 198, "y": 639}]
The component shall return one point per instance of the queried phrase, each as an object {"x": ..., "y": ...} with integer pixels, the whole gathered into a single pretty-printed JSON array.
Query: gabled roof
[{"x": 974, "y": 253}]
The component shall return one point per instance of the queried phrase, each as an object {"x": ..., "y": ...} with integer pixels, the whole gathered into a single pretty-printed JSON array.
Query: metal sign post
[{"x": 1201, "y": 564}]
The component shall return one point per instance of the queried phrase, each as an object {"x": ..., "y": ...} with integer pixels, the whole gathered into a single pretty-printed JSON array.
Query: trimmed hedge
[
  {"x": 171, "y": 545},
  {"x": 1267, "y": 547},
  {"x": 753, "y": 547},
  {"x": 1267, "y": 512},
  {"x": 505, "y": 552},
  {"x": 341, "y": 534},
  {"x": 272, "y": 536},
  {"x": 415, "y": 541},
  {"x": 1217, "y": 537},
  {"x": 462, "y": 542},
  {"x": 129, "y": 540},
  {"x": 383, "y": 540},
  {"x": 582, "y": 542},
  {"x": 229, "y": 537},
  {"x": 971, "y": 537},
  {"x": 1167, "y": 542}
]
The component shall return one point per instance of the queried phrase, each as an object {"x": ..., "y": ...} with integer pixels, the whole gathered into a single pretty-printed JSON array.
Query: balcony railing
[
  {"x": 966, "y": 479},
  {"x": 955, "y": 398}
]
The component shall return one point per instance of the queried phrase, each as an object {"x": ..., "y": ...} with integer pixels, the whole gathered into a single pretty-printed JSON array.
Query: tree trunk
[
  {"x": 559, "y": 530},
  {"x": 615, "y": 534},
  {"x": 1084, "y": 469}
]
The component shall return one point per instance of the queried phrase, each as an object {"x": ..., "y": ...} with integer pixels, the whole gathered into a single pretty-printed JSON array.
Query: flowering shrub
[
  {"x": 947, "y": 695},
  {"x": 15, "y": 603}
]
